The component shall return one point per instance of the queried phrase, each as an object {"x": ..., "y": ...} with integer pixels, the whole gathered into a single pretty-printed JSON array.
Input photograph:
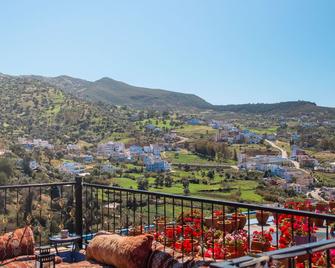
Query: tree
[
  {"x": 186, "y": 185},
  {"x": 159, "y": 181},
  {"x": 26, "y": 166},
  {"x": 142, "y": 184},
  {"x": 6, "y": 167},
  {"x": 187, "y": 168},
  {"x": 211, "y": 174},
  {"x": 168, "y": 181},
  {"x": 235, "y": 155},
  {"x": 3, "y": 178}
]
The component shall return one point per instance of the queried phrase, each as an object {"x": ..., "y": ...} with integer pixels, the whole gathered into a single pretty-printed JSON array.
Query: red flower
[
  {"x": 184, "y": 245},
  {"x": 217, "y": 252}
]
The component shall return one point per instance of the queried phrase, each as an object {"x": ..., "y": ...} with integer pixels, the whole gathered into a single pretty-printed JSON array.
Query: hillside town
[{"x": 290, "y": 168}]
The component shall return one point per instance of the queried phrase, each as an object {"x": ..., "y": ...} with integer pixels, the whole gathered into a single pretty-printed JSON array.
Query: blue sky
[{"x": 224, "y": 51}]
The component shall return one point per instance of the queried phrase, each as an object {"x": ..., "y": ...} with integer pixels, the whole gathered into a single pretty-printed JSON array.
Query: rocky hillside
[
  {"x": 34, "y": 107},
  {"x": 114, "y": 92}
]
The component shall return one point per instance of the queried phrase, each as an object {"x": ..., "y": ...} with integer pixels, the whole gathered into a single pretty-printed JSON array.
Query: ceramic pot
[
  {"x": 235, "y": 251},
  {"x": 242, "y": 219},
  {"x": 225, "y": 226},
  {"x": 262, "y": 217},
  {"x": 210, "y": 222},
  {"x": 259, "y": 245}
]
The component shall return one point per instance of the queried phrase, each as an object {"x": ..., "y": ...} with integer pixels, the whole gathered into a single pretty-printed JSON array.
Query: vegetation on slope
[{"x": 34, "y": 108}]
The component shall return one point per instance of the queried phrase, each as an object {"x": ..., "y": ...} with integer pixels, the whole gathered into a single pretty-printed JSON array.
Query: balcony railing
[
  {"x": 279, "y": 257},
  {"x": 208, "y": 229}
]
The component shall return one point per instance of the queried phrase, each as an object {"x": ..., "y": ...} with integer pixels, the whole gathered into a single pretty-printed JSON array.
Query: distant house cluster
[
  {"x": 216, "y": 124},
  {"x": 152, "y": 128},
  {"x": 151, "y": 157},
  {"x": 277, "y": 166},
  {"x": 194, "y": 121},
  {"x": 73, "y": 168},
  {"x": 233, "y": 135},
  {"x": 156, "y": 164},
  {"x": 114, "y": 150},
  {"x": 263, "y": 163},
  {"x": 72, "y": 148},
  {"x": 303, "y": 158},
  {"x": 29, "y": 144}
]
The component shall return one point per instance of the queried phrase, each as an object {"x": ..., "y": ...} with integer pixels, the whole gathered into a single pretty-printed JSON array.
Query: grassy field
[
  {"x": 119, "y": 137},
  {"x": 285, "y": 145},
  {"x": 158, "y": 123},
  {"x": 245, "y": 189},
  {"x": 58, "y": 99},
  {"x": 327, "y": 179},
  {"x": 184, "y": 156},
  {"x": 247, "y": 147},
  {"x": 323, "y": 157},
  {"x": 270, "y": 130},
  {"x": 195, "y": 132}
]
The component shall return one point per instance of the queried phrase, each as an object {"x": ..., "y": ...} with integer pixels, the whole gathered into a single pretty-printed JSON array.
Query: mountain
[
  {"x": 110, "y": 91},
  {"x": 289, "y": 108},
  {"x": 30, "y": 106},
  {"x": 115, "y": 92}
]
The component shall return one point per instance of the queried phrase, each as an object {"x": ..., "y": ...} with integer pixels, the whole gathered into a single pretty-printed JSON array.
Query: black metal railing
[
  {"x": 282, "y": 257},
  {"x": 193, "y": 226},
  {"x": 202, "y": 228},
  {"x": 47, "y": 207}
]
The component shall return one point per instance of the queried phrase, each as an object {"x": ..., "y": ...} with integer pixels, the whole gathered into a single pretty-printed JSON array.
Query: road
[
  {"x": 283, "y": 152},
  {"x": 315, "y": 193},
  {"x": 181, "y": 139}
]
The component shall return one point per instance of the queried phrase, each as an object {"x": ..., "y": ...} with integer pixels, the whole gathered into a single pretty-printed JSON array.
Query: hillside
[
  {"x": 290, "y": 108},
  {"x": 114, "y": 92},
  {"x": 107, "y": 91},
  {"x": 33, "y": 107}
]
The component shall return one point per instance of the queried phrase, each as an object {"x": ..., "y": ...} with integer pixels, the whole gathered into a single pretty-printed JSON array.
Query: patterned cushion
[
  {"x": 18, "y": 243},
  {"x": 130, "y": 252}
]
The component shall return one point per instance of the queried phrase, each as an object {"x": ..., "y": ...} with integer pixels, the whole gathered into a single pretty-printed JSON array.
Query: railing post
[{"x": 79, "y": 209}]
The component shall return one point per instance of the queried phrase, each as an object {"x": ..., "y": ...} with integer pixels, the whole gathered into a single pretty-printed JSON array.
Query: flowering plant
[
  {"x": 319, "y": 259},
  {"x": 301, "y": 227},
  {"x": 186, "y": 245},
  {"x": 191, "y": 216},
  {"x": 212, "y": 234},
  {"x": 264, "y": 237},
  {"x": 298, "y": 205},
  {"x": 217, "y": 213},
  {"x": 236, "y": 239},
  {"x": 216, "y": 251}
]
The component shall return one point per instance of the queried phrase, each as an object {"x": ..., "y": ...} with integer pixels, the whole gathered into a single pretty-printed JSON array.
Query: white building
[
  {"x": 107, "y": 149},
  {"x": 295, "y": 187},
  {"x": 332, "y": 166}
]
